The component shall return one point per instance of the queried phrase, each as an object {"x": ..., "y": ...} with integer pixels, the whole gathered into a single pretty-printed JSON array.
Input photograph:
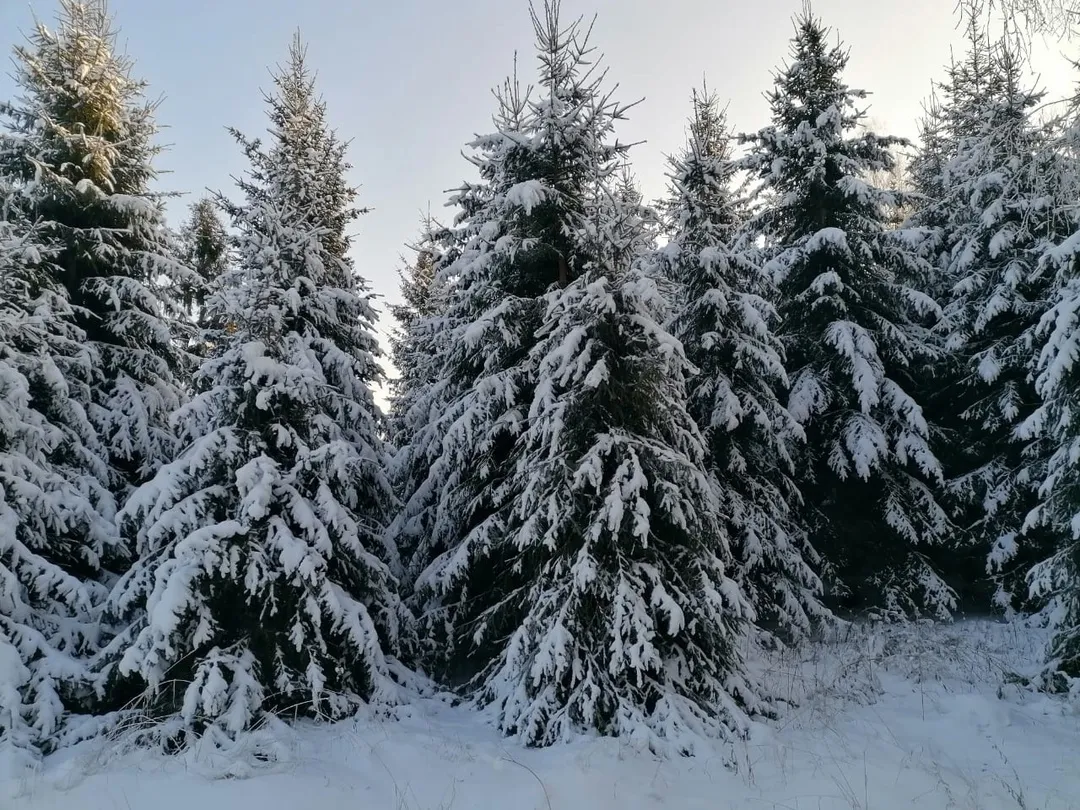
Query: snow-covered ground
[{"x": 886, "y": 719}]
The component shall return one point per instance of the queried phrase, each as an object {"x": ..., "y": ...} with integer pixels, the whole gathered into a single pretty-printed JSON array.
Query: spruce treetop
[
  {"x": 91, "y": 116},
  {"x": 700, "y": 197},
  {"x": 204, "y": 247},
  {"x": 810, "y": 156}
]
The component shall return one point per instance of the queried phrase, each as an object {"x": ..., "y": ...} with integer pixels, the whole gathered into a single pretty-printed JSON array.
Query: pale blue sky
[{"x": 408, "y": 81}]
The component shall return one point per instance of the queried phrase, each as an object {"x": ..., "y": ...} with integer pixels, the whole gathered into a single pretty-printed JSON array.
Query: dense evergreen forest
[{"x": 830, "y": 377}]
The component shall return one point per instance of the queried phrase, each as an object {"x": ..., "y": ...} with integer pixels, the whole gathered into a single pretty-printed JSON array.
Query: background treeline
[{"x": 807, "y": 386}]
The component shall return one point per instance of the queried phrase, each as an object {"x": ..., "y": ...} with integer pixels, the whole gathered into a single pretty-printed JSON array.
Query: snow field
[{"x": 880, "y": 719}]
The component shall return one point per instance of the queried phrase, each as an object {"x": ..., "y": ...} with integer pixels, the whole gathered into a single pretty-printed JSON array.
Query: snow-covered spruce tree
[
  {"x": 643, "y": 224},
  {"x": 262, "y": 583},
  {"x": 414, "y": 344},
  {"x": 589, "y": 600},
  {"x": 204, "y": 248},
  {"x": 420, "y": 395},
  {"x": 725, "y": 322},
  {"x": 927, "y": 175},
  {"x": 441, "y": 432},
  {"x": 951, "y": 114},
  {"x": 55, "y": 513},
  {"x": 1055, "y": 580},
  {"x": 418, "y": 349},
  {"x": 869, "y": 476},
  {"x": 616, "y": 590},
  {"x": 83, "y": 138},
  {"x": 1000, "y": 199},
  {"x": 319, "y": 183},
  {"x": 952, "y": 117},
  {"x": 514, "y": 239}
]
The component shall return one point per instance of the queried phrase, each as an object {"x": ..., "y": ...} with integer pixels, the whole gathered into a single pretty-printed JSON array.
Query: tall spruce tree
[
  {"x": 927, "y": 175},
  {"x": 55, "y": 513},
  {"x": 1056, "y": 579},
  {"x": 725, "y": 321},
  {"x": 414, "y": 343},
  {"x": 953, "y": 114},
  {"x": 618, "y": 597},
  {"x": 514, "y": 239},
  {"x": 82, "y": 138},
  {"x": 998, "y": 194},
  {"x": 576, "y": 567},
  {"x": 852, "y": 331},
  {"x": 952, "y": 118},
  {"x": 449, "y": 443},
  {"x": 263, "y": 582},
  {"x": 204, "y": 248}
]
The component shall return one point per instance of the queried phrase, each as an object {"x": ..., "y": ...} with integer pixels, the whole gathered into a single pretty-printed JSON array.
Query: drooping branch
[{"x": 1028, "y": 18}]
